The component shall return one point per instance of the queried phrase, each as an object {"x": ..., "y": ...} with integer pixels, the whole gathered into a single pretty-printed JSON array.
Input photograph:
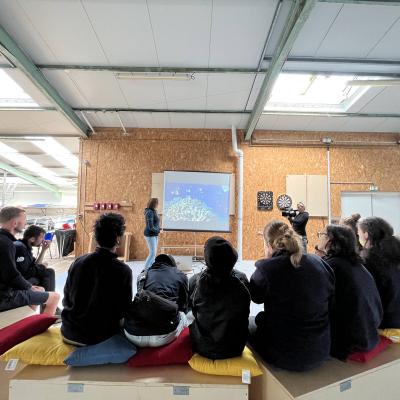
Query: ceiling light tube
[{"x": 374, "y": 82}]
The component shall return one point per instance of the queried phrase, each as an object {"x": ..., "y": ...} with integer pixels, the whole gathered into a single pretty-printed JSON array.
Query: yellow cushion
[
  {"x": 392, "y": 334},
  {"x": 44, "y": 349},
  {"x": 229, "y": 366}
]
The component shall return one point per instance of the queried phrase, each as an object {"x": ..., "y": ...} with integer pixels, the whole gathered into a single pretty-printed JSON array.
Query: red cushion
[
  {"x": 24, "y": 329},
  {"x": 177, "y": 352},
  {"x": 368, "y": 355}
]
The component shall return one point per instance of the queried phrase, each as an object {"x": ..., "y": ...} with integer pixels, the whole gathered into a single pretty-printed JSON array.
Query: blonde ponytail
[{"x": 281, "y": 237}]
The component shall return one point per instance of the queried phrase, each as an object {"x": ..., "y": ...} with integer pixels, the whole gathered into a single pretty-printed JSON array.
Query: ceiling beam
[
  {"x": 36, "y": 181},
  {"x": 158, "y": 110},
  {"x": 12, "y": 51},
  {"x": 298, "y": 15},
  {"x": 28, "y": 109}
]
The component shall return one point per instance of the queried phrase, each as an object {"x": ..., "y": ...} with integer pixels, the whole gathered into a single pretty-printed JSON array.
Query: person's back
[
  {"x": 381, "y": 256},
  {"x": 220, "y": 302},
  {"x": 293, "y": 332},
  {"x": 98, "y": 290}
]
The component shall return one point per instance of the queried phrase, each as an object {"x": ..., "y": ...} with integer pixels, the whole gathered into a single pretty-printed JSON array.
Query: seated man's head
[
  {"x": 34, "y": 235},
  {"x": 13, "y": 219},
  {"x": 165, "y": 259},
  {"x": 219, "y": 255},
  {"x": 109, "y": 229}
]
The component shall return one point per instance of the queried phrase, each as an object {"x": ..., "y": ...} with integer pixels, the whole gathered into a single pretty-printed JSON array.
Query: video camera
[{"x": 289, "y": 213}]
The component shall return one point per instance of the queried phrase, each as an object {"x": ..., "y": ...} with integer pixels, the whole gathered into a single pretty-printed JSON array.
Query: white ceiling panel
[
  {"x": 389, "y": 125},
  {"x": 66, "y": 29},
  {"x": 143, "y": 93},
  {"x": 100, "y": 119},
  {"x": 365, "y": 99},
  {"x": 187, "y": 120},
  {"x": 187, "y": 94},
  {"x": 99, "y": 88},
  {"x": 314, "y": 30},
  {"x": 292, "y": 123},
  {"x": 128, "y": 119},
  {"x": 18, "y": 24},
  {"x": 72, "y": 144},
  {"x": 152, "y": 120},
  {"x": 239, "y": 30},
  {"x": 228, "y": 91},
  {"x": 266, "y": 122},
  {"x": 360, "y": 124},
  {"x": 330, "y": 124},
  {"x": 182, "y": 31},
  {"x": 255, "y": 91},
  {"x": 35, "y": 122},
  {"x": 385, "y": 48},
  {"x": 386, "y": 102},
  {"x": 224, "y": 121},
  {"x": 124, "y": 31},
  {"x": 66, "y": 87},
  {"x": 357, "y": 29}
]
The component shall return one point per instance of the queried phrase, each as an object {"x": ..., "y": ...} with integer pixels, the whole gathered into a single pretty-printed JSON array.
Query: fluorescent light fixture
[
  {"x": 12, "y": 95},
  {"x": 374, "y": 82},
  {"x": 173, "y": 76},
  {"x": 31, "y": 166},
  {"x": 57, "y": 151},
  {"x": 314, "y": 92}
]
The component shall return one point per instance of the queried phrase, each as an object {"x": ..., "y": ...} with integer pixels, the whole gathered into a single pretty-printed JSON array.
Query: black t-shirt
[{"x": 299, "y": 223}]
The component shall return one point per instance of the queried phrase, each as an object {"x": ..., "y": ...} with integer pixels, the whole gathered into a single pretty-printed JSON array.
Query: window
[{"x": 12, "y": 95}]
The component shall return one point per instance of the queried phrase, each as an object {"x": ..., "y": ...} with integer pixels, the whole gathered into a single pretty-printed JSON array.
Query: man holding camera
[{"x": 299, "y": 221}]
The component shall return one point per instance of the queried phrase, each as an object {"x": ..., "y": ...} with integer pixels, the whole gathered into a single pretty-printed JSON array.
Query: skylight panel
[{"x": 12, "y": 95}]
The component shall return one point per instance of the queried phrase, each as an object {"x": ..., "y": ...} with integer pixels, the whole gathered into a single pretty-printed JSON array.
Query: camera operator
[{"x": 299, "y": 222}]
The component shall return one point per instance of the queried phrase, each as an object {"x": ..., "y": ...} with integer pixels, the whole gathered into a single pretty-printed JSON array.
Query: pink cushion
[
  {"x": 24, "y": 329},
  {"x": 177, "y": 352},
  {"x": 368, "y": 355}
]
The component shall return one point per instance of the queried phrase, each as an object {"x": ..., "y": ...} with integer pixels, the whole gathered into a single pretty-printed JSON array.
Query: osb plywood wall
[{"x": 119, "y": 169}]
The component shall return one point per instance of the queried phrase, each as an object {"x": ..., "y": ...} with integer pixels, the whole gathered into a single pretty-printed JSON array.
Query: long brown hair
[
  {"x": 153, "y": 203},
  {"x": 281, "y": 237}
]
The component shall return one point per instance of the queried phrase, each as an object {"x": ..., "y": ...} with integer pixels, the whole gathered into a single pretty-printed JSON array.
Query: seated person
[
  {"x": 220, "y": 302},
  {"x": 381, "y": 256},
  {"x": 32, "y": 269},
  {"x": 15, "y": 290},
  {"x": 357, "y": 310},
  {"x": 157, "y": 315},
  {"x": 98, "y": 289},
  {"x": 293, "y": 331}
]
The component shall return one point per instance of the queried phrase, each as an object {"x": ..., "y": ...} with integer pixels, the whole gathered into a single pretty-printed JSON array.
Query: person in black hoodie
[
  {"x": 381, "y": 255},
  {"x": 293, "y": 331},
  {"x": 98, "y": 290},
  {"x": 15, "y": 290},
  {"x": 357, "y": 310},
  {"x": 151, "y": 231},
  {"x": 220, "y": 301},
  {"x": 157, "y": 315}
]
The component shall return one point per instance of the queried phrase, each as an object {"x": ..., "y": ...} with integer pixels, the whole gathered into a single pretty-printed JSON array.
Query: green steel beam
[
  {"x": 159, "y": 110},
  {"x": 299, "y": 13},
  {"x": 12, "y": 51},
  {"x": 30, "y": 178}
]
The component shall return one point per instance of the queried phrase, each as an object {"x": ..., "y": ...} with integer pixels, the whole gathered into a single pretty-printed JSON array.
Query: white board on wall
[
  {"x": 311, "y": 190},
  {"x": 157, "y": 190}
]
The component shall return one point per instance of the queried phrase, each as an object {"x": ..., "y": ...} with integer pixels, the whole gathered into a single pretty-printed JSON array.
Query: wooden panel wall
[{"x": 119, "y": 169}]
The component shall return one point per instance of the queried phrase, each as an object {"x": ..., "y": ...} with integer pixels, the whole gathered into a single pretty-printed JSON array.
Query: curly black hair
[
  {"x": 33, "y": 231},
  {"x": 342, "y": 243},
  {"x": 108, "y": 228}
]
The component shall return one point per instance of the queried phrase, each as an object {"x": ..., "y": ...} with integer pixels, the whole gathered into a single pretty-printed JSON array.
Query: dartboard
[
  {"x": 264, "y": 200},
  {"x": 283, "y": 201}
]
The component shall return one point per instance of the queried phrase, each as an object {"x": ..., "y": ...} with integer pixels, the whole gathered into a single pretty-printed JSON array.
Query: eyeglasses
[{"x": 320, "y": 234}]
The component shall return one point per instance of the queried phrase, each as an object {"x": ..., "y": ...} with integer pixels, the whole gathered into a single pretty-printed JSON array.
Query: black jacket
[
  {"x": 168, "y": 283},
  {"x": 293, "y": 332},
  {"x": 357, "y": 310},
  {"x": 299, "y": 223},
  {"x": 10, "y": 278},
  {"x": 220, "y": 302},
  {"x": 152, "y": 221},
  {"x": 97, "y": 295},
  {"x": 24, "y": 259},
  {"x": 386, "y": 272}
]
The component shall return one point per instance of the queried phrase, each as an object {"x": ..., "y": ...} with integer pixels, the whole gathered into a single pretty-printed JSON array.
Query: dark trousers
[{"x": 45, "y": 277}]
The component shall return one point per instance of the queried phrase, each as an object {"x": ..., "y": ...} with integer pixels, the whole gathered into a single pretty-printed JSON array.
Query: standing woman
[
  {"x": 293, "y": 331},
  {"x": 151, "y": 231},
  {"x": 381, "y": 256}
]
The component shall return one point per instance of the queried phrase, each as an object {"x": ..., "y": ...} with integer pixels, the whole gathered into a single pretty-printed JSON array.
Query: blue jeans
[{"x": 152, "y": 245}]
